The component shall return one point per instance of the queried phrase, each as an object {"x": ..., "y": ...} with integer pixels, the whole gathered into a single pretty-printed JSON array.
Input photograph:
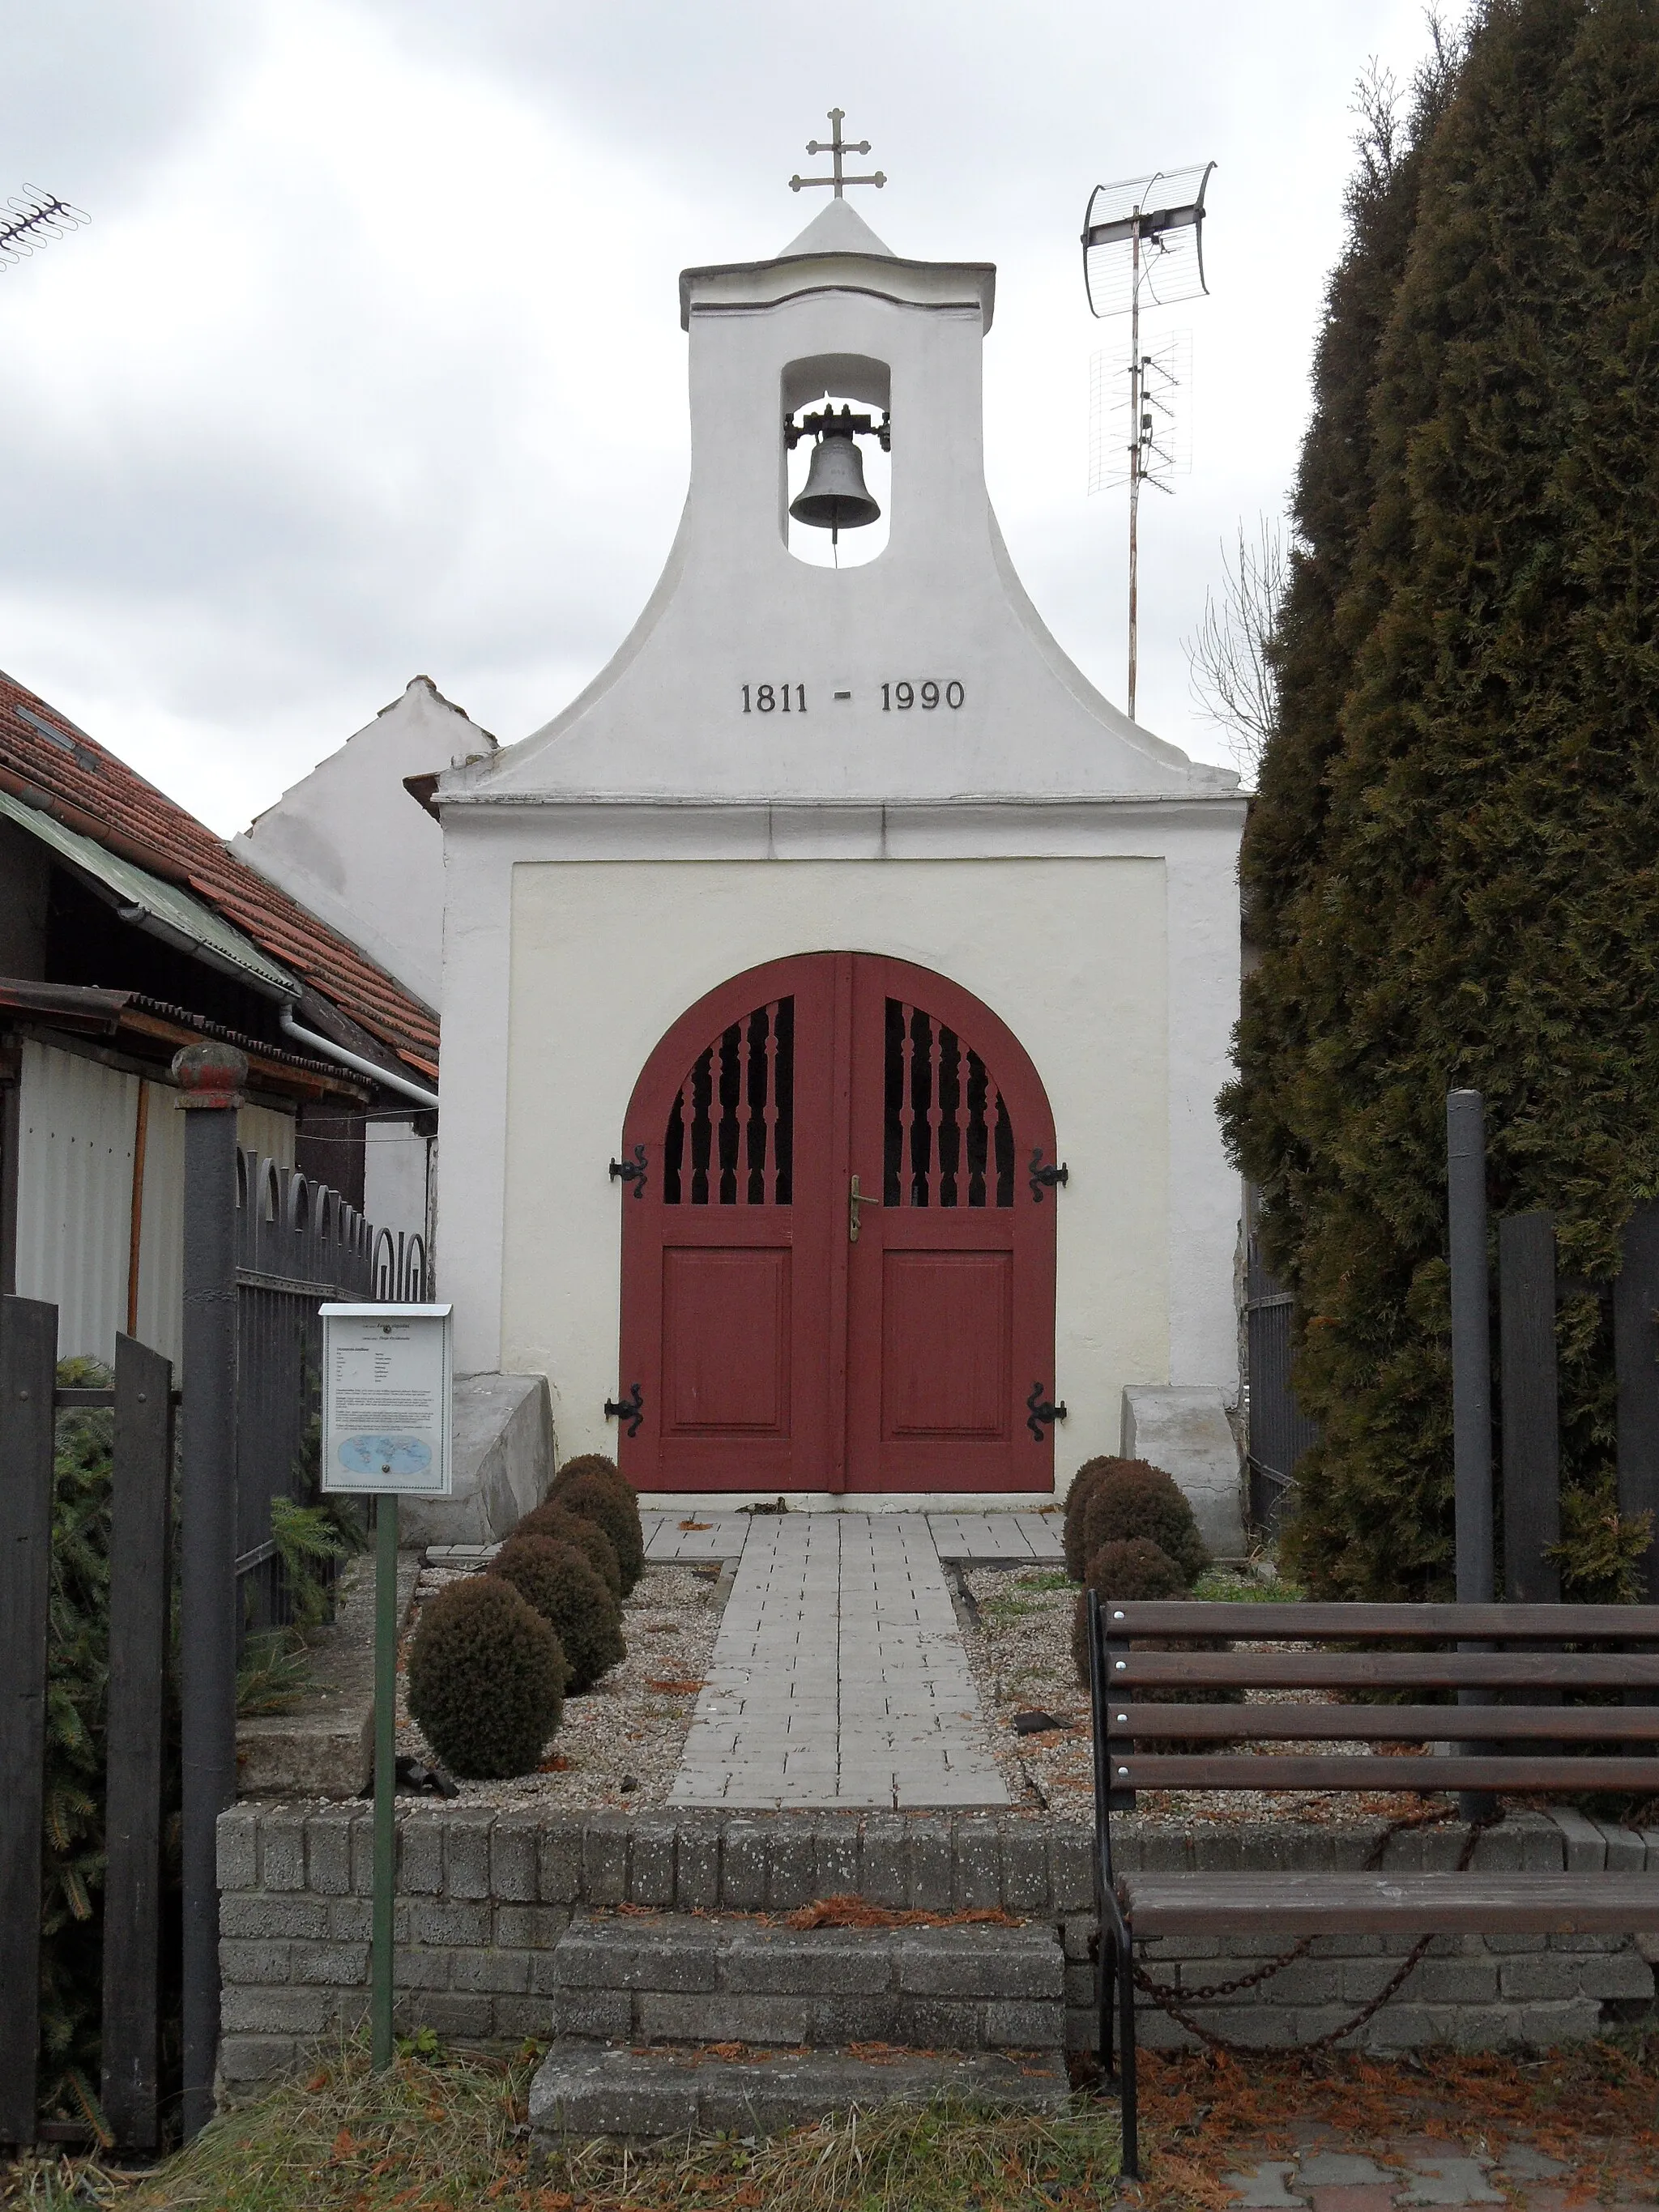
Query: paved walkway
[
  {"x": 1413, "y": 2170},
  {"x": 700, "y": 1531},
  {"x": 839, "y": 1677}
]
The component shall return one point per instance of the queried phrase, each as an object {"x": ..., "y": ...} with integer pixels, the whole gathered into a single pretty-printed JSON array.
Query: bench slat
[
  {"x": 1404, "y": 1670},
  {"x": 1547, "y": 1624},
  {"x": 1405, "y": 1904},
  {"x": 1334, "y": 1770},
  {"x": 1385, "y": 1723}
]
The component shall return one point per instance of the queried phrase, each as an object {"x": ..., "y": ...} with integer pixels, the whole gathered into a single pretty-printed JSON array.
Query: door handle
[{"x": 856, "y": 1198}]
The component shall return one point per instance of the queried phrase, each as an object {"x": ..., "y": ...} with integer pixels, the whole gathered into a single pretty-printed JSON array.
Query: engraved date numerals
[
  {"x": 774, "y": 698},
  {"x": 899, "y": 698}
]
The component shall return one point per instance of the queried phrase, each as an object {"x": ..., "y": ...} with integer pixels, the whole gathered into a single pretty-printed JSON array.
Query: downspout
[{"x": 337, "y": 1053}]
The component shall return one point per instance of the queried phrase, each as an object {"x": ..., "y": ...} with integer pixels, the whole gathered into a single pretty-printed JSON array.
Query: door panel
[{"x": 772, "y": 1347}]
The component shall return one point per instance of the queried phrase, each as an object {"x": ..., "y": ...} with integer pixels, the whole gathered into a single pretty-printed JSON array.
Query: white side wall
[{"x": 395, "y": 1177}]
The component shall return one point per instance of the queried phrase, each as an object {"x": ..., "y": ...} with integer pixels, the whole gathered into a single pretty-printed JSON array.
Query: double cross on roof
[{"x": 836, "y": 147}]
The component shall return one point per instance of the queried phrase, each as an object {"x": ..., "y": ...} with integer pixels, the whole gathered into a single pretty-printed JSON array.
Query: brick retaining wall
[{"x": 484, "y": 1899}]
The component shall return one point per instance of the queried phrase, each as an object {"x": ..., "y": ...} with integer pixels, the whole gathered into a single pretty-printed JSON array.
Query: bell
[{"x": 835, "y": 497}]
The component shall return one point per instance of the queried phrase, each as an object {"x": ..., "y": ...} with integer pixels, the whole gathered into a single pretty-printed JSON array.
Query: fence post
[
  {"x": 210, "y": 1078},
  {"x": 1532, "y": 1435},
  {"x": 139, "y": 1594},
  {"x": 1471, "y": 1335},
  {"x": 28, "y": 1362},
  {"x": 1636, "y": 1360}
]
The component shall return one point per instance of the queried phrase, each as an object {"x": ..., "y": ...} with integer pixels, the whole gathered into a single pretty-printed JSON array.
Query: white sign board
[{"x": 386, "y": 1392}]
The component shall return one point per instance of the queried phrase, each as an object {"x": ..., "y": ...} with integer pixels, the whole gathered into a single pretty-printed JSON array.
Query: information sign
[{"x": 386, "y": 1393}]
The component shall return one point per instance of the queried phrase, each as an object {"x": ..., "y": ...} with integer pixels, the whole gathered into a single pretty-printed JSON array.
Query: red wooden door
[{"x": 774, "y": 1346}]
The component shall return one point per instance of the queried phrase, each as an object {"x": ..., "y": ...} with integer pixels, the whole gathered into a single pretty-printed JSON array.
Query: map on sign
[{"x": 386, "y": 1392}]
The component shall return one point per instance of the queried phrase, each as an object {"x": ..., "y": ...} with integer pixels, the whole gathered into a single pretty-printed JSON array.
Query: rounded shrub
[
  {"x": 587, "y": 1463},
  {"x": 557, "y": 1580},
  {"x": 552, "y": 1521},
  {"x": 1084, "y": 1485},
  {"x": 1131, "y": 1499},
  {"x": 596, "y": 1498},
  {"x": 486, "y": 1679}
]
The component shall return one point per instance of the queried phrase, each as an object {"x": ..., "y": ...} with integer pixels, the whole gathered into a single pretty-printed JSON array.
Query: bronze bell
[{"x": 835, "y": 497}]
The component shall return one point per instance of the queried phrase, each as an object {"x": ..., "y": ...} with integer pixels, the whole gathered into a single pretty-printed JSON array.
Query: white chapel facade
[{"x": 840, "y": 914}]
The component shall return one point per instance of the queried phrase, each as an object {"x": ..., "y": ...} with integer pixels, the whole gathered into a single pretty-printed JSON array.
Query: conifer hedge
[{"x": 1452, "y": 869}]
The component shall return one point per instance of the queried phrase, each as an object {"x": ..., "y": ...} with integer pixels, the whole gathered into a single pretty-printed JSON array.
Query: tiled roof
[{"x": 46, "y": 762}]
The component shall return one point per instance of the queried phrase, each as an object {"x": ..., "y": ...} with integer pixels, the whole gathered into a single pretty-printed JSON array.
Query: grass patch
[
  {"x": 1217, "y": 1587},
  {"x": 442, "y": 2131}
]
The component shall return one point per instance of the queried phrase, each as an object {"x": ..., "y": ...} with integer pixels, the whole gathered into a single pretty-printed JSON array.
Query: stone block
[
  {"x": 1541, "y": 1980},
  {"x": 1544, "y": 2026},
  {"x": 350, "y": 1920},
  {"x": 282, "y": 1851},
  {"x": 602, "y": 2013},
  {"x": 1455, "y": 1982},
  {"x": 1156, "y": 2031},
  {"x": 1476, "y": 2027},
  {"x": 328, "y": 1854},
  {"x": 256, "y": 1916},
  {"x": 763, "y": 1963},
  {"x": 1012, "y": 2024},
  {"x": 336, "y": 1966},
  {"x": 1626, "y": 1852},
  {"x": 722, "y": 2016},
  {"x": 256, "y": 2058},
  {"x": 1077, "y": 1941},
  {"x": 264, "y": 2011},
  {"x": 1616, "y": 1976},
  {"x": 932, "y": 1874},
  {"x": 1303, "y": 1982},
  {"x": 935, "y": 2023},
  {"x": 1507, "y": 1946},
  {"x": 466, "y": 1854},
  {"x": 1360, "y": 1979},
  {"x": 1543, "y": 1850},
  {"x": 1071, "y": 1867},
  {"x": 883, "y": 1869},
  {"x": 527, "y": 2016},
  {"x": 363, "y": 1856},
  {"x": 604, "y": 1858},
  {"x": 977, "y": 1882},
  {"x": 236, "y": 1846},
  {"x": 422, "y": 1966},
  {"x": 243, "y": 1961},
  {"x": 651, "y": 1859},
  {"x": 445, "y": 1920},
  {"x": 1498, "y": 1850},
  {"x": 512, "y": 1843},
  {"x": 632, "y": 1955},
  {"x": 970, "y": 1962},
  {"x": 1079, "y": 1984},
  {"x": 835, "y": 1857},
  {"x": 421, "y": 1854},
  {"x": 791, "y": 1864},
  {"x": 1024, "y": 1865},
  {"x": 559, "y": 1859},
  {"x": 446, "y": 2013},
  {"x": 697, "y": 1867},
  {"x": 489, "y": 1970},
  {"x": 1185, "y": 1429},
  {"x": 531, "y": 1927},
  {"x": 1082, "y": 2028},
  {"x": 742, "y": 1866},
  {"x": 1586, "y": 1846}
]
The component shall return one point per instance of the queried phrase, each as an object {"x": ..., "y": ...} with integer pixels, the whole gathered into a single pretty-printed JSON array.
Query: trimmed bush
[
  {"x": 557, "y": 1580},
  {"x": 599, "y": 1463},
  {"x": 597, "y": 1498},
  {"x": 1126, "y": 1567},
  {"x": 1084, "y": 1483},
  {"x": 551, "y": 1520},
  {"x": 486, "y": 1679},
  {"x": 1134, "y": 1499}
]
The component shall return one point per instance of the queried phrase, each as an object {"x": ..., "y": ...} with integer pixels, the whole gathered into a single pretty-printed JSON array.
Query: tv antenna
[
  {"x": 30, "y": 219},
  {"x": 1143, "y": 238}
]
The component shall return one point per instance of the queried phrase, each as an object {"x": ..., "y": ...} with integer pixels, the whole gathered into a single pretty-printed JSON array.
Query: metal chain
[{"x": 1162, "y": 1993}]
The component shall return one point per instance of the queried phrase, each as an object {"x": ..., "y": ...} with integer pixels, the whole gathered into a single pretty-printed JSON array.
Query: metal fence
[
  {"x": 298, "y": 1243},
  {"x": 1279, "y": 1431}
]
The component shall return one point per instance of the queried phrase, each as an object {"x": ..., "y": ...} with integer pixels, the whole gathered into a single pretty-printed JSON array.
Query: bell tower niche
[{"x": 837, "y": 442}]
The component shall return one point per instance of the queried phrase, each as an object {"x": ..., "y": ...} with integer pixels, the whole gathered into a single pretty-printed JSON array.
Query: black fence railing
[{"x": 1279, "y": 1431}]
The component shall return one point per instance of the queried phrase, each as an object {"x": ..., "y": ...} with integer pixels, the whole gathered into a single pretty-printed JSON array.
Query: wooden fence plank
[
  {"x": 1636, "y": 1359},
  {"x": 1531, "y": 1414},
  {"x": 140, "y": 1518},
  {"x": 28, "y": 1355}
]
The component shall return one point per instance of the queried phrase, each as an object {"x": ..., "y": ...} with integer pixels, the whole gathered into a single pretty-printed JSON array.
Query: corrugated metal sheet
[
  {"x": 74, "y": 1194},
  {"x": 161, "y": 1314}
]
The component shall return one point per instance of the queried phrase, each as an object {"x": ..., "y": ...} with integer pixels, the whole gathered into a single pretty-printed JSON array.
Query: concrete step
[
  {"x": 583, "y": 2089},
  {"x": 678, "y": 1978}
]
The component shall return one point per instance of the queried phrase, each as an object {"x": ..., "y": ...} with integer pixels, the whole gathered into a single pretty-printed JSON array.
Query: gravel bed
[
  {"x": 620, "y": 1742},
  {"x": 1020, "y": 1650}
]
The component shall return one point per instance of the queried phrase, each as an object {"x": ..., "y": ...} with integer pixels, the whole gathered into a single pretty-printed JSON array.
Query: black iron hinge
[
  {"x": 1046, "y": 1178},
  {"x": 634, "y": 1170},
  {"x": 630, "y": 1409},
  {"x": 1039, "y": 1409}
]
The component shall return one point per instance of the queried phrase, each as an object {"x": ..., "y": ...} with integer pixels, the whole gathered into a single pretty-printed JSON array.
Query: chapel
[{"x": 836, "y": 992}]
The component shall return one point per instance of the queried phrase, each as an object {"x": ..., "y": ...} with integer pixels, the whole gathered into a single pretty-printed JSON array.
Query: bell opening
[{"x": 834, "y": 481}]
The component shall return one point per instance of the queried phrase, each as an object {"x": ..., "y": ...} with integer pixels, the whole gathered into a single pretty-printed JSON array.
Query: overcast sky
[{"x": 370, "y": 361}]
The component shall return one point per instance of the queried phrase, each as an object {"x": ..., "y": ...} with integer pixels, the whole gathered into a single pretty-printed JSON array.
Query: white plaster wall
[
  {"x": 351, "y": 844},
  {"x": 394, "y": 1177}
]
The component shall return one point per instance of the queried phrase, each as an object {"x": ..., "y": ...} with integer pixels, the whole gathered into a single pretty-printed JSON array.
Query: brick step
[
  {"x": 583, "y": 2089},
  {"x": 674, "y": 1978}
]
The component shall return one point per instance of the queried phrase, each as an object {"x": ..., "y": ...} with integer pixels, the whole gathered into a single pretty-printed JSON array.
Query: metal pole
[
  {"x": 1471, "y": 1332},
  {"x": 210, "y": 1078},
  {"x": 386, "y": 1772},
  {"x": 1135, "y": 454}
]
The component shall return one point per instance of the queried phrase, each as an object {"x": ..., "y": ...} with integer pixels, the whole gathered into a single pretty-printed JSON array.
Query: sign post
[{"x": 387, "y": 1386}]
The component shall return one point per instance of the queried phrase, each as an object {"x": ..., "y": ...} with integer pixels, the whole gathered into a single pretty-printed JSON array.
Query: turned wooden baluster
[{"x": 769, "y": 1113}]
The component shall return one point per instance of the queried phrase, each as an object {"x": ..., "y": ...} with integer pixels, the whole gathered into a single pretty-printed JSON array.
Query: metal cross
[{"x": 837, "y": 146}]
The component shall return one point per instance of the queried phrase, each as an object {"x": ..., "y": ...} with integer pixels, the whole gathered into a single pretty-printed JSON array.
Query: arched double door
[{"x": 838, "y": 1257}]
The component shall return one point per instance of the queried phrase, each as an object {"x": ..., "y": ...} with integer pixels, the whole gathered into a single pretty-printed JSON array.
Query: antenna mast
[
  {"x": 1160, "y": 219},
  {"x": 30, "y": 219}
]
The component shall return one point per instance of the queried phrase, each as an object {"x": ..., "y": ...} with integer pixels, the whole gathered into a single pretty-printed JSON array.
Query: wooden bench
[{"x": 1486, "y": 1654}]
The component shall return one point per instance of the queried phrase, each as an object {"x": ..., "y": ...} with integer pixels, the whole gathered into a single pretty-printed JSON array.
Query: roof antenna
[
  {"x": 1145, "y": 237},
  {"x": 32, "y": 218}
]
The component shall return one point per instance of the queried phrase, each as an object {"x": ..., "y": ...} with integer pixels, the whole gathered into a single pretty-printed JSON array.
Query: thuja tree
[{"x": 1454, "y": 867}]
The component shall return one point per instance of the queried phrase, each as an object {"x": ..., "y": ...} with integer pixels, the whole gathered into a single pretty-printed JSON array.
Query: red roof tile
[{"x": 65, "y": 773}]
